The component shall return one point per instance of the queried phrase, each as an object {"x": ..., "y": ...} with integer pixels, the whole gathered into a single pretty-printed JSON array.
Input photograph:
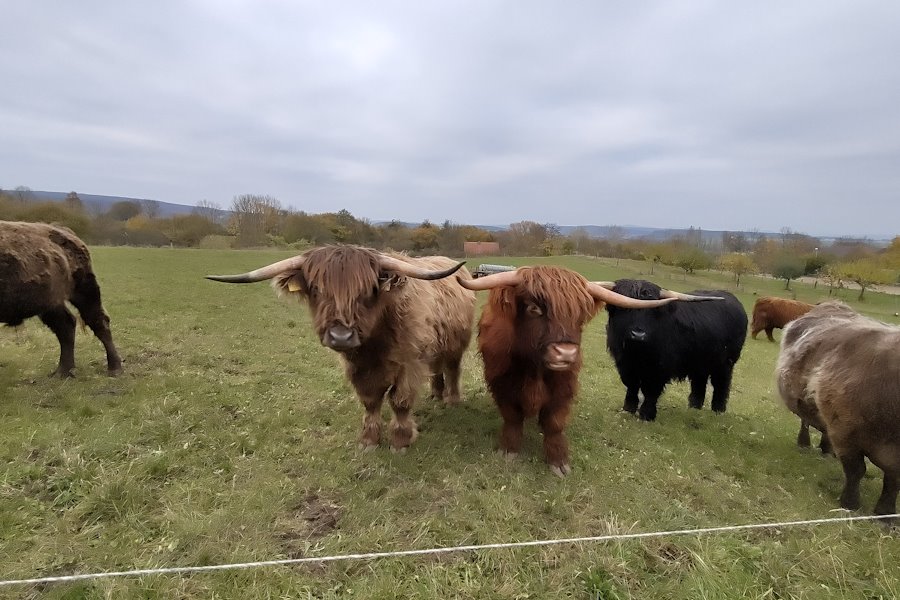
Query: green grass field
[{"x": 232, "y": 437}]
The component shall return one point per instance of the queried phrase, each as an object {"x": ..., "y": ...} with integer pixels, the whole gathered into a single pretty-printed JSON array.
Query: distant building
[{"x": 481, "y": 248}]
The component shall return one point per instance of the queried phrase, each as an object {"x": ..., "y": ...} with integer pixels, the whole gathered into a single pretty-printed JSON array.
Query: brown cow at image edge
[
  {"x": 840, "y": 372},
  {"x": 41, "y": 268}
]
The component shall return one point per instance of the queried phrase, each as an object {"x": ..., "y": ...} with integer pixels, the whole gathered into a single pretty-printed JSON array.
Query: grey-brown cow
[
  {"x": 41, "y": 268},
  {"x": 840, "y": 372}
]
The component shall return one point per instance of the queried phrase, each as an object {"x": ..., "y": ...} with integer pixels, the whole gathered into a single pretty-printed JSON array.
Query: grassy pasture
[{"x": 232, "y": 437}]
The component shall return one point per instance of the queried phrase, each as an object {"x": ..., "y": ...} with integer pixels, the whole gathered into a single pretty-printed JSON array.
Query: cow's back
[
  {"x": 770, "y": 311},
  {"x": 439, "y": 314},
  {"x": 710, "y": 332},
  {"x": 856, "y": 387},
  {"x": 36, "y": 268},
  {"x": 720, "y": 323},
  {"x": 809, "y": 342}
]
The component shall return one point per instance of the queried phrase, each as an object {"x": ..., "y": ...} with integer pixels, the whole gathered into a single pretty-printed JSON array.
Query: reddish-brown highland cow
[
  {"x": 771, "y": 313},
  {"x": 41, "y": 268},
  {"x": 390, "y": 323},
  {"x": 840, "y": 372},
  {"x": 529, "y": 336}
]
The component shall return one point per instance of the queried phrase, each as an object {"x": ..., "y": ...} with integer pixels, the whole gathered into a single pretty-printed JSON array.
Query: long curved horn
[
  {"x": 506, "y": 278},
  {"x": 389, "y": 263},
  {"x": 607, "y": 284},
  {"x": 664, "y": 293},
  {"x": 262, "y": 273},
  {"x": 610, "y": 297}
]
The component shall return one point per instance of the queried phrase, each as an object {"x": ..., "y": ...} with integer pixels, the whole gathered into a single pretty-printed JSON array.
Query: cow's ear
[
  {"x": 291, "y": 282},
  {"x": 389, "y": 281}
]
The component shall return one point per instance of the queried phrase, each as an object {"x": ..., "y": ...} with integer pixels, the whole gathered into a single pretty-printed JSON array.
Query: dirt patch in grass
[{"x": 310, "y": 518}]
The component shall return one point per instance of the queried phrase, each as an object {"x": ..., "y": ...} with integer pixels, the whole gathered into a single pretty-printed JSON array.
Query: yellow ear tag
[{"x": 293, "y": 286}]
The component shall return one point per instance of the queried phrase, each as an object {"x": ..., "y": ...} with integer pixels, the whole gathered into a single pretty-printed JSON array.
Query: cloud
[{"x": 722, "y": 116}]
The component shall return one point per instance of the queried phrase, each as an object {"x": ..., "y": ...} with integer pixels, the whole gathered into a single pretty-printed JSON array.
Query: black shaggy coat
[{"x": 700, "y": 341}]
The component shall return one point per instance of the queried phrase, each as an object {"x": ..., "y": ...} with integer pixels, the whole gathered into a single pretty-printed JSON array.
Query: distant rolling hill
[{"x": 99, "y": 203}]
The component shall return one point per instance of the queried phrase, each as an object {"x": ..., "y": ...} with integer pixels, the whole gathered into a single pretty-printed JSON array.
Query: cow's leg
[
  {"x": 803, "y": 434},
  {"x": 403, "y": 428},
  {"x": 825, "y": 444},
  {"x": 552, "y": 420},
  {"x": 87, "y": 300},
  {"x": 632, "y": 387},
  {"x": 452, "y": 372},
  {"x": 62, "y": 323},
  {"x": 854, "y": 464},
  {"x": 698, "y": 390},
  {"x": 437, "y": 383},
  {"x": 632, "y": 399},
  {"x": 652, "y": 391},
  {"x": 769, "y": 331},
  {"x": 511, "y": 432},
  {"x": 371, "y": 397},
  {"x": 721, "y": 383},
  {"x": 887, "y": 502},
  {"x": 754, "y": 332}
]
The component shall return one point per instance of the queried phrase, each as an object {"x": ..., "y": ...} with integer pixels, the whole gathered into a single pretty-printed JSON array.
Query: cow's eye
[
  {"x": 534, "y": 310},
  {"x": 646, "y": 294}
]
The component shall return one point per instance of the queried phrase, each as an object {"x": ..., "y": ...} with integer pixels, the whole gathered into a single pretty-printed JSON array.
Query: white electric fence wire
[{"x": 398, "y": 553}]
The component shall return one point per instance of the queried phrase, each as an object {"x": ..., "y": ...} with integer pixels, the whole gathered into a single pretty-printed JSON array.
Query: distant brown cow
[
  {"x": 840, "y": 372},
  {"x": 41, "y": 268},
  {"x": 390, "y": 327},
  {"x": 529, "y": 336},
  {"x": 771, "y": 313}
]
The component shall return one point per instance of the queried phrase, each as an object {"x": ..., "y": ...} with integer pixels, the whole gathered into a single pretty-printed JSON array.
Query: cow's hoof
[
  {"x": 850, "y": 503},
  {"x": 367, "y": 446},
  {"x": 508, "y": 455},
  {"x": 561, "y": 470},
  {"x": 62, "y": 374},
  {"x": 452, "y": 400},
  {"x": 115, "y": 372},
  {"x": 401, "y": 450}
]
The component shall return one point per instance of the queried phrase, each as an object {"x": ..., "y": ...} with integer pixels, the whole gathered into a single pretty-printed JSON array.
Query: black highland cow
[{"x": 696, "y": 341}]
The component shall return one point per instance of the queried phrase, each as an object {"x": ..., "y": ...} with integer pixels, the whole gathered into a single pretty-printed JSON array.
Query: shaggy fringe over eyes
[
  {"x": 564, "y": 293},
  {"x": 346, "y": 272}
]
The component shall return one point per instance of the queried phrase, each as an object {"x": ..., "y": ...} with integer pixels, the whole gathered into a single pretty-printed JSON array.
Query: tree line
[{"x": 262, "y": 221}]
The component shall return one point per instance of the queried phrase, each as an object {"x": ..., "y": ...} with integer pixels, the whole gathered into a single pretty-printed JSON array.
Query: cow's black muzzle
[{"x": 340, "y": 337}]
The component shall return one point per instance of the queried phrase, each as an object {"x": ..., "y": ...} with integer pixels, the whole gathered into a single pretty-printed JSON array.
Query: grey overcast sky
[{"x": 720, "y": 115}]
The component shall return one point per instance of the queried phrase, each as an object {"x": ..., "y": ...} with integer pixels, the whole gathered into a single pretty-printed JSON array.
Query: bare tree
[
  {"x": 212, "y": 211},
  {"x": 253, "y": 217},
  {"x": 151, "y": 208},
  {"x": 23, "y": 194}
]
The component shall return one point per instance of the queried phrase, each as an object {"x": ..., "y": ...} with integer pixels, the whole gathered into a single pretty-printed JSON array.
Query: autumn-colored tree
[
  {"x": 425, "y": 237},
  {"x": 739, "y": 264},
  {"x": 864, "y": 272},
  {"x": 892, "y": 254}
]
